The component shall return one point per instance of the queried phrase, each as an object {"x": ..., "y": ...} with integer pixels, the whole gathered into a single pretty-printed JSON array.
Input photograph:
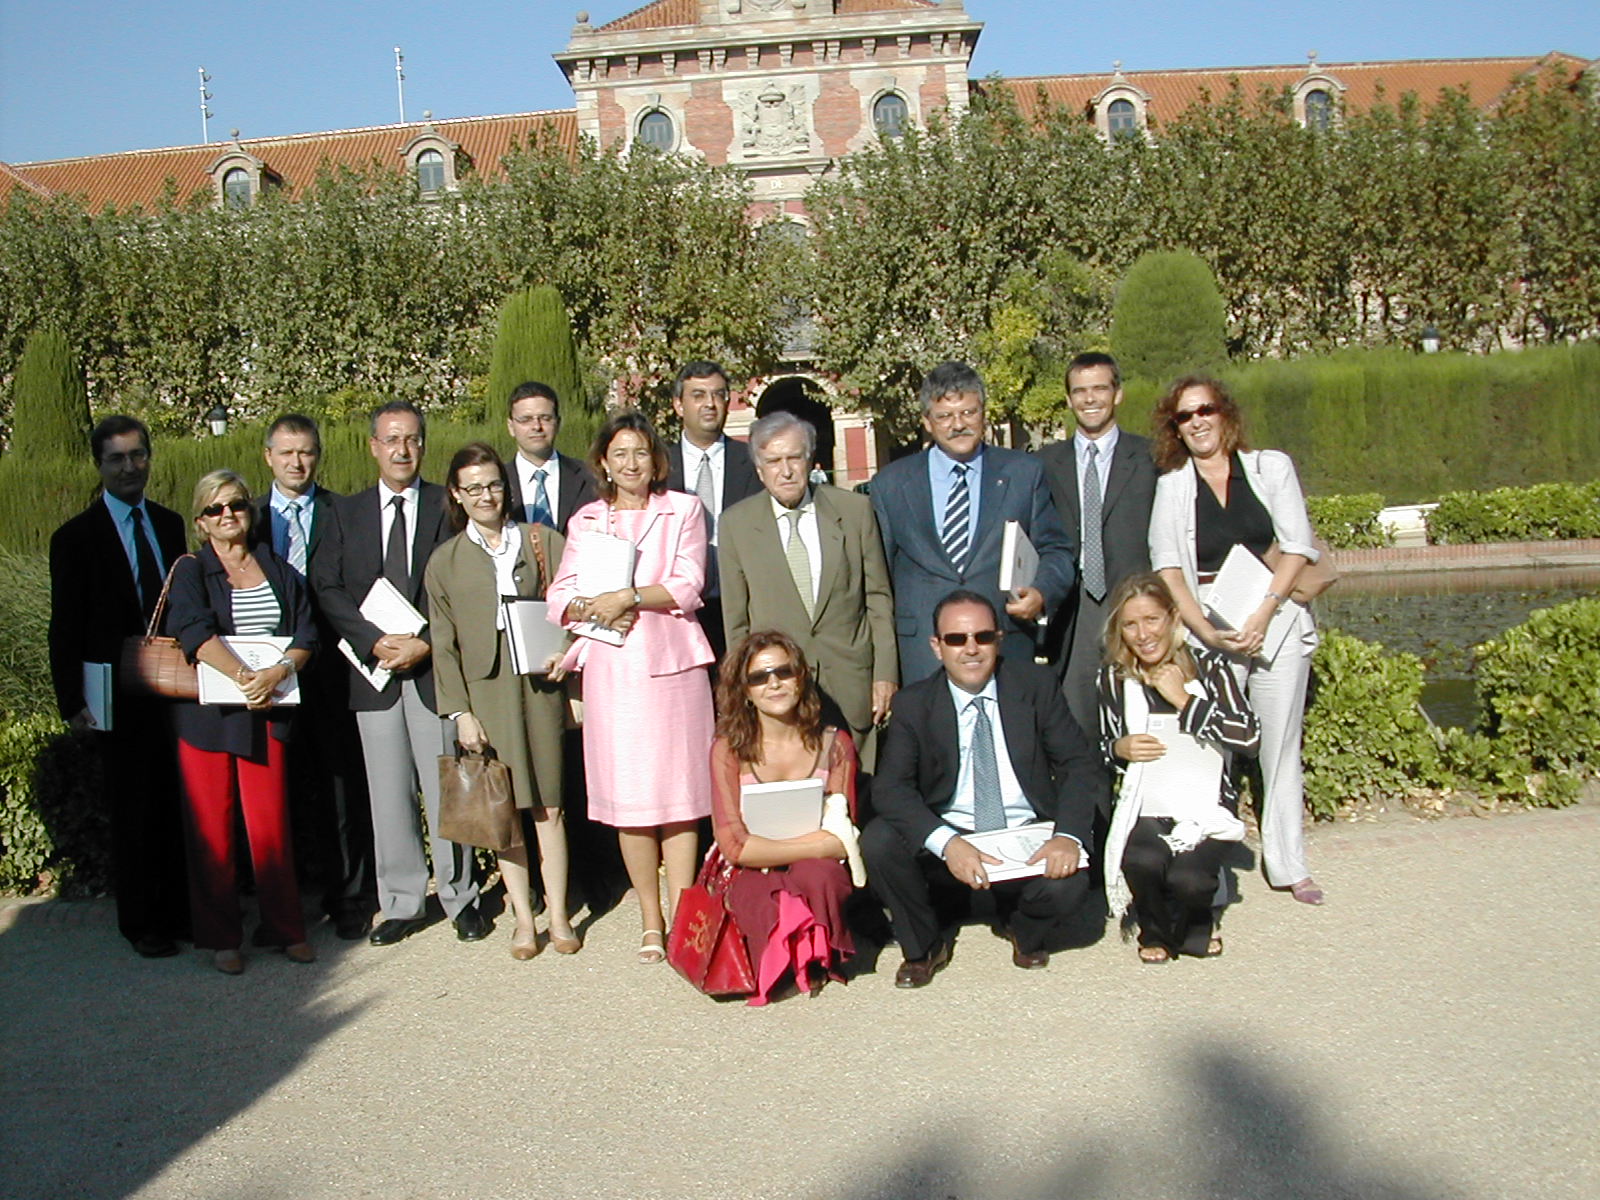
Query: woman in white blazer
[{"x": 1215, "y": 494}]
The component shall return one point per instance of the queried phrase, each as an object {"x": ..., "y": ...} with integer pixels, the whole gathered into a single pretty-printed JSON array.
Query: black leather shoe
[
  {"x": 1028, "y": 960},
  {"x": 395, "y": 929},
  {"x": 471, "y": 925},
  {"x": 919, "y": 972},
  {"x": 352, "y": 926},
  {"x": 154, "y": 946}
]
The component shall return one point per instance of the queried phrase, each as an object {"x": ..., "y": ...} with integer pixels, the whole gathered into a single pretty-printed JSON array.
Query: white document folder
[
  {"x": 789, "y": 808},
  {"x": 391, "y": 612},
  {"x": 606, "y": 566},
  {"x": 98, "y": 695},
  {"x": 255, "y": 653},
  {"x": 1238, "y": 590},
  {"x": 530, "y": 637},
  {"x": 1019, "y": 561}
]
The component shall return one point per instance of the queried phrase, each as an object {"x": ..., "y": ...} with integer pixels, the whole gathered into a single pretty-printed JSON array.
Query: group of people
[{"x": 729, "y": 621}]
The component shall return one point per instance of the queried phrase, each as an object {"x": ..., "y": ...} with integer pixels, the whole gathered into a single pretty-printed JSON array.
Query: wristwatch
[{"x": 638, "y": 600}]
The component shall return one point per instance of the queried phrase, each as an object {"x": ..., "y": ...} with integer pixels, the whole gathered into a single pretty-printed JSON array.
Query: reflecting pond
[{"x": 1440, "y": 615}]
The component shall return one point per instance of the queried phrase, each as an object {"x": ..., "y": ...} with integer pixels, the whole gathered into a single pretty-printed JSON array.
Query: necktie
[
  {"x": 988, "y": 812},
  {"x": 297, "y": 538},
  {"x": 1093, "y": 558},
  {"x": 539, "y": 510},
  {"x": 395, "y": 569},
  {"x": 146, "y": 570},
  {"x": 956, "y": 507},
  {"x": 706, "y": 490},
  {"x": 799, "y": 562}
]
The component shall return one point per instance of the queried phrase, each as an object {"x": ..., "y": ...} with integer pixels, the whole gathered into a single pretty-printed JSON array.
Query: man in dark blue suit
[{"x": 942, "y": 514}]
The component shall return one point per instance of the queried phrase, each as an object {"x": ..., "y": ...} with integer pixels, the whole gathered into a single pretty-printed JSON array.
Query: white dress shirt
[
  {"x": 941, "y": 475},
  {"x": 692, "y": 455},
  {"x": 960, "y": 816},
  {"x": 412, "y": 504},
  {"x": 526, "y": 479},
  {"x": 122, "y": 516},
  {"x": 809, "y": 536},
  {"x": 278, "y": 505}
]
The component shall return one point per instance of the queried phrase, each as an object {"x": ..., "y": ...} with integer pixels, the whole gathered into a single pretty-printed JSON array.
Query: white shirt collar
[{"x": 1104, "y": 445}]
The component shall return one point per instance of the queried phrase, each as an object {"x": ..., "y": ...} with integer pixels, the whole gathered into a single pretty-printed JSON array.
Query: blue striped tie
[{"x": 956, "y": 509}]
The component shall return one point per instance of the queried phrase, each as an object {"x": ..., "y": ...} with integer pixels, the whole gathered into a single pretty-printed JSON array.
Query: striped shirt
[{"x": 255, "y": 610}]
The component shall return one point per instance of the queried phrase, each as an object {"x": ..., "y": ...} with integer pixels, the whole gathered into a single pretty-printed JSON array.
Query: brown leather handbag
[
  {"x": 477, "y": 806},
  {"x": 155, "y": 665},
  {"x": 1314, "y": 578}
]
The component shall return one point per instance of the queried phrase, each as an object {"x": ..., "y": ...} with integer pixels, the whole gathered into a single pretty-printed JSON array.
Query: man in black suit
[
  {"x": 979, "y": 746},
  {"x": 388, "y": 532},
  {"x": 546, "y": 487},
  {"x": 710, "y": 465},
  {"x": 328, "y": 787},
  {"x": 1106, "y": 472},
  {"x": 107, "y": 565}
]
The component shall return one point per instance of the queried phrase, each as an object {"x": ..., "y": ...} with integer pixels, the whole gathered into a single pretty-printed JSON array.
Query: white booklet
[
  {"x": 530, "y": 636},
  {"x": 607, "y": 565},
  {"x": 1014, "y": 847},
  {"x": 1237, "y": 591},
  {"x": 1019, "y": 561},
  {"x": 388, "y": 609},
  {"x": 98, "y": 695},
  {"x": 789, "y": 808},
  {"x": 1190, "y": 768},
  {"x": 255, "y": 653}
]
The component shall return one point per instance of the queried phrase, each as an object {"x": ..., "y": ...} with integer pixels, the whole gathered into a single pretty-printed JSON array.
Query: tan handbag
[
  {"x": 476, "y": 804},
  {"x": 1314, "y": 578},
  {"x": 155, "y": 665}
]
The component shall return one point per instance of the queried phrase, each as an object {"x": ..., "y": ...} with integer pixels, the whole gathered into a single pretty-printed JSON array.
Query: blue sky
[{"x": 92, "y": 76}]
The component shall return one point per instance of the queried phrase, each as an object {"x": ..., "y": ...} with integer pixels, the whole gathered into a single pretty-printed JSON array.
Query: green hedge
[
  {"x": 1539, "y": 688},
  {"x": 1544, "y": 512},
  {"x": 1349, "y": 522}
]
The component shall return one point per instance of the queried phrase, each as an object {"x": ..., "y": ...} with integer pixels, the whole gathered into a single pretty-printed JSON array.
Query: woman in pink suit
[{"x": 648, "y": 720}]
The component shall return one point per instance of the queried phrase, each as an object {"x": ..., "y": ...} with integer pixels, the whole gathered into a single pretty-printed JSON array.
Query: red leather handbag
[{"x": 706, "y": 946}]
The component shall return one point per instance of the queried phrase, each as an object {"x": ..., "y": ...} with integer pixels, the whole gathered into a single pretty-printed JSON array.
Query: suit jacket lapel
[
  {"x": 991, "y": 505},
  {"x": 430, "y": 511},
  {"x": 321, "y": 506},
  {"x": 830, "y": 533},
  {"x": 919, "y": 502},
  {"x": 1072, "y": 511},
  {"x": 944, "y": 735},
  {"x": 1121, "y": 468},
  {"x": 1016, "y": 718},
  {"x": 111, "y": 536}
]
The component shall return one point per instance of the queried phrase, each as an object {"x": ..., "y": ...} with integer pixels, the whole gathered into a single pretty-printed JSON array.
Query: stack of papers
[
  {"x": 607, "y": 564},
  {"x": 1238, "y": 591},
  {"x": 391, "y": 612},
  {"x": 1019, "y": 561},
  {"x": 530, "y": 636}
]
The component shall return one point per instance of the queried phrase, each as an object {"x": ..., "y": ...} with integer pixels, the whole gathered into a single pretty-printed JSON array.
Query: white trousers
[{"x": 1277, "y": 692}]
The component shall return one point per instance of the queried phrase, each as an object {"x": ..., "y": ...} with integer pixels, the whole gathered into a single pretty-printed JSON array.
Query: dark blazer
[
  {"x": 351, "y": 559},
  {"x": 321, "y": 513},
  {"x": 739, "y": 477},
  {"x": 1059, "y": 770},
  {"x": 201, "y": 607},
  {"x": 1013, "y": 489},
  {"x": 94, "y": 602},
  {"x": 1124, "y": 514},
  {"x": 577, "y": 489}
]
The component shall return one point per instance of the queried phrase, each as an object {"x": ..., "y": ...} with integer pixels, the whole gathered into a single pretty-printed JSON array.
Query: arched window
[
  {"x": 1122, "y": 119},
  {"x": 889, "y": 114},
  {"x": 430, "y": 171},
  {"x": 236, "y": 188},
  {"x": 656, "y": 130},
  {"x": 1319, "y": 110}
]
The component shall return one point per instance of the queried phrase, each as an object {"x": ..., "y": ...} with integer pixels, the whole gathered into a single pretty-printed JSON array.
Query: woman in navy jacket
[{"x": 231, "y": 756}]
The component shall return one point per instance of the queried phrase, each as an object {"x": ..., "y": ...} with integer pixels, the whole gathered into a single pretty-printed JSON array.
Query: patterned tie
[
  {"x": 539, "y": 510},
  {"x": 297, "y": 538},
  {"x": 146, "y": 570},
  {"x": 1094, "y": 557},
  {"x": 956, "y": 509},
  {"x": 799, "y": 562},
  {"x": 705, "y": 488},
  {"x": 988, "y": 811},
  {"x": 394, "y": 556}
]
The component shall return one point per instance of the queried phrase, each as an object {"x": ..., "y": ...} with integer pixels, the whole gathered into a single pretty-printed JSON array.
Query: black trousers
[
  {"x": 923, "y": 897},
  {"x": 139, "y": 771},
  {"x": 1172, "y": 893},
  {"x": 328, "y": 805}
]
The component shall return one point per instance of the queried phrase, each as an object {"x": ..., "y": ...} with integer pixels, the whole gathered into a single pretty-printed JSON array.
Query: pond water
[{"x": 1440, "y": 615}]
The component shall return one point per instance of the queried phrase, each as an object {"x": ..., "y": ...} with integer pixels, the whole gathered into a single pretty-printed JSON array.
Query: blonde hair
[
  {"x": 1120, "y": 655},
  {"x": 212, "y": 482}
]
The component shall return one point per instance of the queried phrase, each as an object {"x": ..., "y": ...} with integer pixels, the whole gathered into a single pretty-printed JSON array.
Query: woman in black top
[{"x": 232, "y": 755}]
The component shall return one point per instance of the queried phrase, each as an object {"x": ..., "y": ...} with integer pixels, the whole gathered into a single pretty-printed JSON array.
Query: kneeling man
[{"x": 979, "y": 745}]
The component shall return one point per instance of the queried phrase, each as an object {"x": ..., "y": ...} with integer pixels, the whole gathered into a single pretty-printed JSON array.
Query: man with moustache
[
  {"x": 327, "y": 785},
  {"x": 388, "y": 531},
  {"x": 546, "y": 487},
  {"x": 107, "y": 567}
]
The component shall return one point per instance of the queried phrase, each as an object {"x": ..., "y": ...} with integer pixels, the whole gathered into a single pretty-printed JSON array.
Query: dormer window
[
  {"x": 1317, "y": 97},
  {"x": 430, "y": 172},
  {"x": 1120, "y": 111},
  {"x": 238, "y": 177},
  {"x": 237, "y": 189},
  {"x": 1122, "y": 119},
  {"x": 890, "y": 114},
  {"x": 656, "y": 130},
  {"x": 434, "y": 161},
  {"x": 1319, "y": 110}
]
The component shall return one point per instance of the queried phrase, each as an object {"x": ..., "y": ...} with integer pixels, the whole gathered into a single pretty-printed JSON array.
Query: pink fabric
[{"x": 797, "y": 941}]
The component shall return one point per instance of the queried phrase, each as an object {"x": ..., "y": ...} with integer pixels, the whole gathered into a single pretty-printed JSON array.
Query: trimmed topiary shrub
[
  {"x": 1169, "y": 318},
  {"x": 49, "y": 400},
  {"x": 534, "y": 342},
  {"x": 1543, "y": 512}
]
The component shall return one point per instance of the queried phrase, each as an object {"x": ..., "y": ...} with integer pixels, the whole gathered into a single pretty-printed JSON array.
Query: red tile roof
[
  {"x": 140, "y": 177},
  {"x": 847, "y": 8},
  {"x": 13, "y": 180},
  {"x": 1170, "y": 92},
  {"x": 662, "y": 14}
]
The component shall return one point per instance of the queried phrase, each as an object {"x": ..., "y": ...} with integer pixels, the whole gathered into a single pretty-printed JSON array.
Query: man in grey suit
[
  {"x": 708, "y": 464},
  {"x": 942, "y": 514},
  {"x": 388, "y": 532},
  {"x": 808, "y": 561},
  {"x": 1104, "y": 482},
  {"x": 546, "y": 487}
]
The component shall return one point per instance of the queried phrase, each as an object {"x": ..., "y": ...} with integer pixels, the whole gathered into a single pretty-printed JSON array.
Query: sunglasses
[
  {"x": 233, "y": 506},
  {"x": 1204, "y": 410},
  {"x": 984, "y": 637},
  {"x": 761, "y": 678}
]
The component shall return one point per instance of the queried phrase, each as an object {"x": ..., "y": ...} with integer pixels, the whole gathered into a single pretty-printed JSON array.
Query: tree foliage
[
  {"x": 49, "y": 404},
  {"x": 1168, "y": 317},
  {"x": 533, "y": 342}
]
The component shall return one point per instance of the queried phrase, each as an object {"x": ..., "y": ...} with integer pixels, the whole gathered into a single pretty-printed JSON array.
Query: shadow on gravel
[
  {"x": 1248, "y": 1139},
  {"x": 116, "y": 1065}
]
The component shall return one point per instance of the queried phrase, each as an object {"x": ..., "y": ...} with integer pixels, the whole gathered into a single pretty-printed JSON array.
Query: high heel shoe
[
  {"x": 300, "y": 952},
  {"x": 525, "y": 946},
  {"x": 567, "y": 943},
  {"x": 229, "y": 962}
]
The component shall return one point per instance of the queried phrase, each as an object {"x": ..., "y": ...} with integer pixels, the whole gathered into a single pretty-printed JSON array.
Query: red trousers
[{"x": 216, "y": 785}]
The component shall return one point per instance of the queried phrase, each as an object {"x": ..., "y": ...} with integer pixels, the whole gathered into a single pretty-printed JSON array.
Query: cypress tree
[
  {"x": 49, "y": 400},
  {"x": 1169, "y": 318},
  {"x": 533, "y": 341}
]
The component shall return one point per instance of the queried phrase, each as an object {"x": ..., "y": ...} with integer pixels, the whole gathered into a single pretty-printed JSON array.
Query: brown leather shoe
[
  {"x": 919, "y": 972},
  {"x": 1028, "y": 960}
]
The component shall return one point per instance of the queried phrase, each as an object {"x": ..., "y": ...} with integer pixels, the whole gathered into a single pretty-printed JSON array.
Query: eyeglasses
[
  {"x": 396, "y": 440},
  {"x": 1204, "y": 410},
  {"x": 477, "y": 489},
  {"x": 782, "y": 674},
  {"x": 984, "y": 637},
  {"x": 536, "y": 419},
  {"x": 233, "y": 506},
  {"x": 949, "y": 416}
]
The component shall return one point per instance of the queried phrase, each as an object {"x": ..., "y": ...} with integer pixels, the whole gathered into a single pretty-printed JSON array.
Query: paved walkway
[{"x": 1427, "y": 1034}]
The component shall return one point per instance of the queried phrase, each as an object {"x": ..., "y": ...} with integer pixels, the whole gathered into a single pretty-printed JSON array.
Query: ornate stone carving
[{"x": 772, "y": 121}]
